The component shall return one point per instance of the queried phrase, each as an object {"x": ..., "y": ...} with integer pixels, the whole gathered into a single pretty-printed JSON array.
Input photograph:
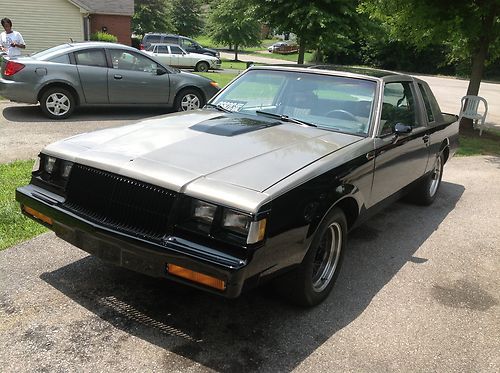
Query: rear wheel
[
  {"x": 425, "y": 192},
  {"x": 313, "y": 280},
  {"x": 57, "y": 103},
  {"x": 189, "y": 99},
  {"x": 202, "y": 66}
]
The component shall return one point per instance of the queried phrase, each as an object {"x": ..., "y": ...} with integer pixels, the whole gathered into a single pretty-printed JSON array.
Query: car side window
[
  {"x": 64, "y": 58},
  {"x": 127, "y": 60},
  {"x": 162, "y": 49},
  {"x": 175, "y": 50},
  {"x": 427, "y": 103},
  {"x": 186, "y": 43},
  {"x": 169, "y": 39},
  {"x": 153, "y": 38},
  {"x": 398, "y": 107},
  {"x": 93, "y": 57}
]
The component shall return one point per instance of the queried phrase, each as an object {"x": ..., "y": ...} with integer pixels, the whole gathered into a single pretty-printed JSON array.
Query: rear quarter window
[{"x": 60, "y": 59}]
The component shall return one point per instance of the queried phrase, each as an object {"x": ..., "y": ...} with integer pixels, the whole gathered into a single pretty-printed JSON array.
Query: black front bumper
[{"x": 136, "y": 254}]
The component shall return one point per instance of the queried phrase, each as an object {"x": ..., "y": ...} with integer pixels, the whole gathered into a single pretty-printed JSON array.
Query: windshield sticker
[{"x": 232, "y": 105}]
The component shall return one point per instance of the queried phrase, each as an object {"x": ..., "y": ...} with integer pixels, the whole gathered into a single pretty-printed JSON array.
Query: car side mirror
[
  {"x": 160, "y": 71},
  {"x": 401, "y": 129}
]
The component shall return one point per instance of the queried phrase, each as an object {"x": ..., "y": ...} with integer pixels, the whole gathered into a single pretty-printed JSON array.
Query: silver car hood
[{"x": 205, "y": 153}]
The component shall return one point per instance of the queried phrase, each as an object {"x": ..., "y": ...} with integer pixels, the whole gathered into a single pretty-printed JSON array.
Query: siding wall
[
  {"x": 43, "y": 23},
  {"x": 118, "y": 26}
]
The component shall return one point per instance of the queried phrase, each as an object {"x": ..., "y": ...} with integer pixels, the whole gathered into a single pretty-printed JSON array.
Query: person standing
[{"x": 11, "y": 42}]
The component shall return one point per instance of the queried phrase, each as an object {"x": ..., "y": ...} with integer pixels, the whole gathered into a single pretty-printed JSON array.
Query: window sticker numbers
[{"x": 232, "y": 105}]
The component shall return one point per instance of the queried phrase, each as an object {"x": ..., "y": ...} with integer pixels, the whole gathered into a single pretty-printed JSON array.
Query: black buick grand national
[{"x": 263, "y": 183}]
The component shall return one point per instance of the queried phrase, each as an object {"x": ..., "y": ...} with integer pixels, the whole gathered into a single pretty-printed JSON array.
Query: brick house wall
[{"x": 120, "y": 26}]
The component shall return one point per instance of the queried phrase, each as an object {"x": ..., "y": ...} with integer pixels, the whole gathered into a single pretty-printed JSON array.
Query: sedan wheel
[
  {"x": 313, "y": 280},
  {"x": 189, "y": 100},
  {"x": 425, "y": 192},
  {"x": 57, "y": 103},
  {"x": 201, "y": 66}
]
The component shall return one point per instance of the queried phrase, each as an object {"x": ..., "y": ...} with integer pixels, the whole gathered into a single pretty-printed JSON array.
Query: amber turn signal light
[
  {"x": 197, "y": 277},
  {"x": 37, "y": 214}
]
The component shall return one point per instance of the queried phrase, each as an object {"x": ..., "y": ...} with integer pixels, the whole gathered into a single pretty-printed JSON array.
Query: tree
[
  {"x": 152, "y": 16},
  {"x": 233, "y": 22},
  {"x": 317, "y": 23},
  {"x": 186, "y": 17},
  {"x": 470, "y": 29}
]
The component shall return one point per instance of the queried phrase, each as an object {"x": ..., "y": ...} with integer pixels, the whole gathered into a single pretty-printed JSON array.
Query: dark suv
[{"x": 188, "y": 44}]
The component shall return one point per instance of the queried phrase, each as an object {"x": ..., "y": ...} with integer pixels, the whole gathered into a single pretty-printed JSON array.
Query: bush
[{"x": 103, "y": 36}]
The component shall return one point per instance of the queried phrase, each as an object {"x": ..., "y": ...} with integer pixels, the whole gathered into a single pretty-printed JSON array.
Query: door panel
[
  {"x": 134, "y": 80},
  {"x": 92, "y": 70},
  {"x": 399, "y": 159}
]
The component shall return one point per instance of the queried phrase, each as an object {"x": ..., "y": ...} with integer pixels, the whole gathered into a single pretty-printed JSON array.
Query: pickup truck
[{"x": 263, "y": 184}]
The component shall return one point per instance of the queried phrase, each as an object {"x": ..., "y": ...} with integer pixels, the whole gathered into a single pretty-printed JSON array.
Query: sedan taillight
[{"x": 12, "y": 68}]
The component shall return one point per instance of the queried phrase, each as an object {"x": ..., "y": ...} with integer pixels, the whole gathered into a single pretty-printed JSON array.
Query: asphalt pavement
[{"x": 418, "y": 292}]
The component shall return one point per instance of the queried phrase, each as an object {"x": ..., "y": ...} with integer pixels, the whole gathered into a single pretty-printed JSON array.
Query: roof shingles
[{"x": 115, "y": 7}]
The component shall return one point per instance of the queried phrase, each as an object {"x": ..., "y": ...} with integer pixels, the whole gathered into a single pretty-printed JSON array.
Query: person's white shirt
[{"x": 7, "y": 39}]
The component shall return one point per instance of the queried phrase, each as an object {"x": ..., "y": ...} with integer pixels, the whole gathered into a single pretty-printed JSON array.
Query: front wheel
[
  {"x": 202, "y": 66},
  {"x": 313, "y": 280},
  {"x": 425, "y": 192},
  {"x": 189, "y": 99},
  {"x": 57, "y": 103}
]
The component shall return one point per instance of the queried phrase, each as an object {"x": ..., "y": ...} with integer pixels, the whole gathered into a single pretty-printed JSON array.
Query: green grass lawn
[
  {"x": 14, "y": 227},
  {"x": 219, "y": 77},
  {"x": 472, "y": 145}
]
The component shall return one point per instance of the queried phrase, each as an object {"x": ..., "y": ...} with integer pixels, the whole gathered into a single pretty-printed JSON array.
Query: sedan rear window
[{"x": 64, "y": 58}]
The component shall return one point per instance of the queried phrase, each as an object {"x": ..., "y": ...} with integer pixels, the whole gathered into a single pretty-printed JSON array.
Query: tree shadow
[
  {"x": 256, "y": 332},
  {"x": 33, "y": 113}
]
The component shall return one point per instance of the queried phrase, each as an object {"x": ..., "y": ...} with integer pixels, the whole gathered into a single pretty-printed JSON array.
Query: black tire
[
  {"x": 57, "y": 103},
  {"x": 425, "y": 192},
  {"x": 189, "y": 99},
  {"x": 310, "y": 283},
  {"x": 202, "y": 66}
]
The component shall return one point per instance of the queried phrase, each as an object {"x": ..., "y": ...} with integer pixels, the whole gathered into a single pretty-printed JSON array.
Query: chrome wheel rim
[
  {"x": 435, "y": 177},
  {"x": 327, "y": 257},
  {"x": 202, "y": 67},
  {"x": 58, "y": 104},
  {"x": 190, "y": 102}
]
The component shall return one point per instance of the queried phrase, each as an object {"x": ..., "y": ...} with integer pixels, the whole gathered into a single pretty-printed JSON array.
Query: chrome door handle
[{"x": 118, "y": 76}]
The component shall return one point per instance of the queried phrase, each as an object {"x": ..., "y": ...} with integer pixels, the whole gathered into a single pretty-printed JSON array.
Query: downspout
[{"x": 86, "y": 26}]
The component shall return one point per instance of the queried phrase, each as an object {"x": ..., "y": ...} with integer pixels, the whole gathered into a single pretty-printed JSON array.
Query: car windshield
[{"x": 335, "y": 103}]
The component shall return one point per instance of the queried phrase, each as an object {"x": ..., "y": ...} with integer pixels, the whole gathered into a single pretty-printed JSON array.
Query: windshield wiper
[
  {"x": 285, "y": 118},
  {"x": 220, "y": 108}
]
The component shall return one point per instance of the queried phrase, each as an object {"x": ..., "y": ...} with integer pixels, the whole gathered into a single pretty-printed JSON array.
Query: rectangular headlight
[
  {"x": 49, "y": 164},
  {"x": 65, "y": 169},
  {"x": 236, "y": 222},
  {"x": 202, "y": 211}
]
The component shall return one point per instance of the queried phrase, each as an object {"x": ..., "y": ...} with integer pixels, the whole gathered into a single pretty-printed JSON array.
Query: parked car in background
[
  {"x": 96, "y": 73},
  {"x": 186, "y": 43},
  {"x": 283, "y": 47},
  {"x": 174, "y": 55},
  {"x": 265, "y": 183}
]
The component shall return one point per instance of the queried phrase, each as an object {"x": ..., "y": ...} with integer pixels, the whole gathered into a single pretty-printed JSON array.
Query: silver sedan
[
  {"x": 95, "y": 73},
  {"x": 174, "y": 55}
]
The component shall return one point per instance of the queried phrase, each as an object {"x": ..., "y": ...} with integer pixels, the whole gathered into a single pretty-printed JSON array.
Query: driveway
[{"x": 419, "y": 291}]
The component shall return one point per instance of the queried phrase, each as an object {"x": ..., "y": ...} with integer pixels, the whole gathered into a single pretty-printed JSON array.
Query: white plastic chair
[{"x": 470, "y": 106}]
